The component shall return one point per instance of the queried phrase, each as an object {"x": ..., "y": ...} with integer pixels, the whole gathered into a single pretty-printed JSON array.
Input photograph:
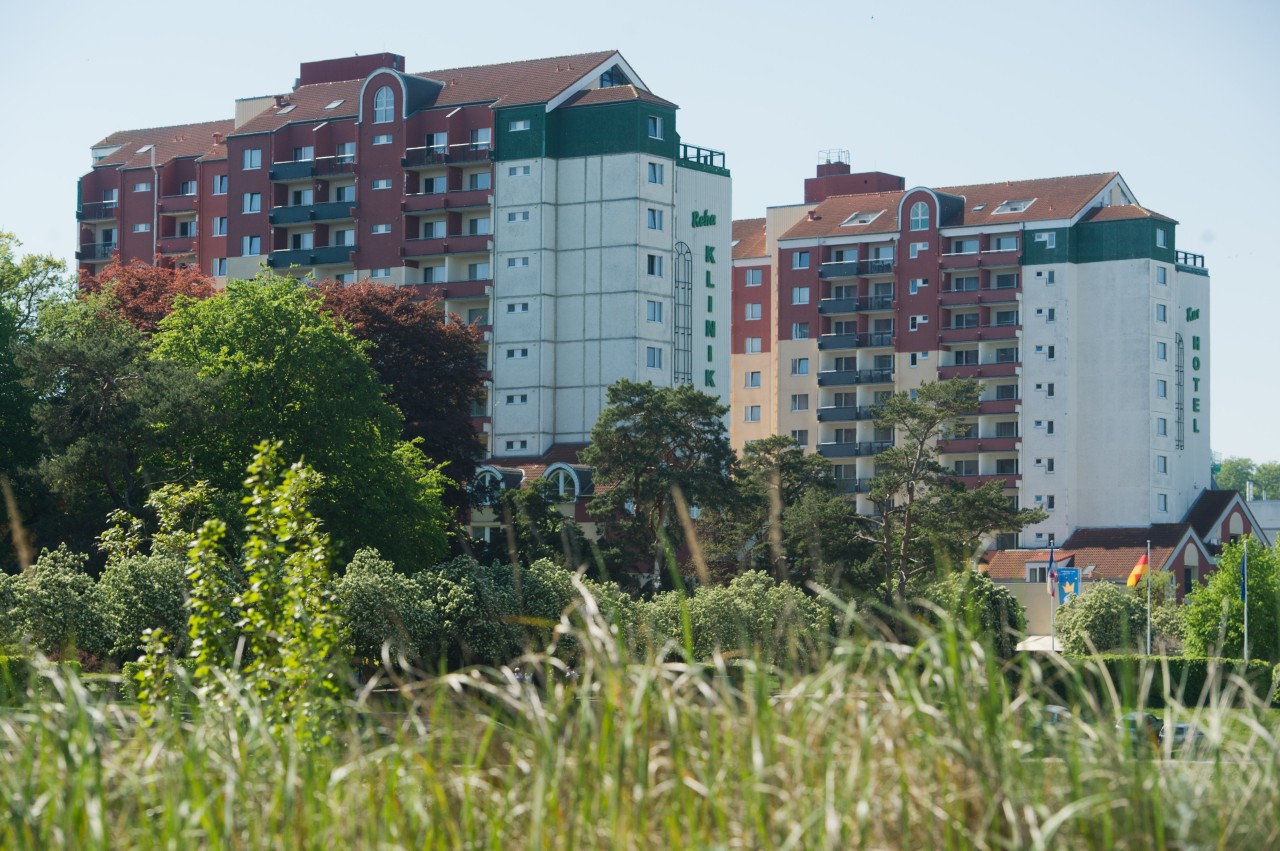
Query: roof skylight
[
  {"x": 290, "y": 108},
  {"x": 144, "y": 149},
  {"x": 337, "y": 103},
  {"x": 861, "y": 219},
  {"x": 1015, "y": 206}
]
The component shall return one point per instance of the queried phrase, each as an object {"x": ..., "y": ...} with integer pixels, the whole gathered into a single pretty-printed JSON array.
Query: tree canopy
[
  {"x": 1214, "y": 620},
  {"x": 1236, "y": 474},
  {"x": 143, "y": 293}
]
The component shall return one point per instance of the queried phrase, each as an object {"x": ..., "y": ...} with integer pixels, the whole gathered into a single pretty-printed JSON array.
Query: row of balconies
[
  {"x": 851, "y": 377},
  {"x": 872, "y": 339},
  {"x": 832, "y": 306},
  {"x": 855, "y": 268}
]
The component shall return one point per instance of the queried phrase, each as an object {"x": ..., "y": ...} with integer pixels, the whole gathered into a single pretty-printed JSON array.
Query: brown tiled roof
[
  {"x": 748, "y": 238},
  {"x": 1012, "y": 564},
  {"x": 535, "y": 465},
  {"x": 1112, "y": 551},
  {"x": 1121, "y": 212},
  {"x": 1055, "y": 198},
  {"x": 217, "y": 152},
  {"x": 505, "y": 84},
  {"x": 1205, "y": 513},
  {"x": 614, "y": 94},
  {"x": 180, "y": 140}
]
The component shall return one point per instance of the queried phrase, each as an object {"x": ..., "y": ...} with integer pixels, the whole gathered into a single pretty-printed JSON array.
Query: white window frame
[
  {"x": 655, "y": 127},
  {"x": 251, "y": 159},
  {"x": 383, "y": 139},
  {"x": 799, "y": 295},
  {"x": 753, "y": 311},
  {"x": 751, "y": 379},
  {"x": 751, "y": 413},
  {"x": 380, "y": 229},
  {"x": 655, "y": 219},
  {"x": 800, "y": 260},
  {"x": 754, "y": 277},
  {"x": 653, "y": 357},
  {"x": 219, "y": 184},
  {"x": 657, "y": 174},
  {"x": 382, "y": 183},
  {"x": 799, "y": 366},
  {"x": 518, "y": 125},
  {"x": 919, "y": 216},
  {"x": 384, "y": 105},
  {"x": 653, "y": 311},
  {"x": 752, "y": 345}
]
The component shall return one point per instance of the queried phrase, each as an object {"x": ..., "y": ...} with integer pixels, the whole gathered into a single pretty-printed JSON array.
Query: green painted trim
[
  {"x": 703, "y": 167},
  {"x": 1192, "y": 270},
  {"x": 612, "y": 128},
  {"x": 1129, "y": 239}
]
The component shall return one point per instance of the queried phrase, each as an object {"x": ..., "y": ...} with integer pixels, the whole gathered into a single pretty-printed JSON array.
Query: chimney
[
  {"x": 279, "y": 100},
  {"x": 813, "y": 215},
  {"x": 217, "y": 138}
]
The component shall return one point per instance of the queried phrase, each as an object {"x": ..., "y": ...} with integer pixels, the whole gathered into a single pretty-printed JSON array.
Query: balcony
[
  {"x": 832, "y": 306},
  {"x": 327, "y": 212},
  {"x": 330, "y": 166},
  {"x": 326, "y": 256},
  {"x": 828, "y": 342},
  {"x": 456, "y": 244},
  {"x": 426, "y": 157},
  {"x": 967, "y": 445},
  {"x": 95, "y": 251},
  {"x": 971, "y": 482},
  {"x": 455, "y": 200},
  {"x": 175, "y": 204},
  {"x": 846, "y": 413},
  {"x": 986, "y": 295},
  {"x": 855, "y": 268},
  {"x": 851, "y": 377},
  {"x": 1004, "y": 369},
  {"x": 973, "y": 333},
  {"x": 454, "y": 290},
  {"x": 857, "y": 449},
  {"x": 703, "y": 159},
  {"x": 97, "y": 211},
  {"x": 981, "y": 259},
  {"x": 853, "y": 485},
  {"x": 176, "y": 245},
  {"x": 286, "y": 171},
  {"x": 999, "y": 406}
]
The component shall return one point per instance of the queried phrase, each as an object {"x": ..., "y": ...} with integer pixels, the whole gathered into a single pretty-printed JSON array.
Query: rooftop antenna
[{"x": 834, "y": 155}]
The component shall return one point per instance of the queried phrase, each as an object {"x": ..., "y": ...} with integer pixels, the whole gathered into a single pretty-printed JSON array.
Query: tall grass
[{"x": 877, "y": 745}]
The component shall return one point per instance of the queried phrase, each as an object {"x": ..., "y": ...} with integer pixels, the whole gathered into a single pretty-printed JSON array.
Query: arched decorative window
[
  {"x": 486, "y": 488},
  {"x": 566, "y": 484},
  {"x": 384, "y": 106},
  {"x": 919, "y": 216}
]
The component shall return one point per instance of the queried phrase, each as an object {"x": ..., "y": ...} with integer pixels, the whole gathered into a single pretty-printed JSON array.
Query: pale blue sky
[{"x": 1181, "y": 98}]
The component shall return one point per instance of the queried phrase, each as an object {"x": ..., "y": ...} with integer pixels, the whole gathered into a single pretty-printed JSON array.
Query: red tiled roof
[
  {"x": 1055, "y": 198},
  {"x": 614, "y": 94},
  {"x": 507, "y": 84},
  {"x": 748, "y": 238},
  {"x": 217, "y": 152},
  {"x": 1206, "y": 512},
  {"x": 535, "y": 465},
  {"x": 1112, "y": 552},
  {"x": 1121, "y": 212},
  {"x": 180, "y": 140}
]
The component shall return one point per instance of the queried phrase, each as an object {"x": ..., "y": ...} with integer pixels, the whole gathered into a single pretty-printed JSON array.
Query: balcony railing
[
  {"x": 177, "y": 204},
  {"x": 831, "y": 306},
  {"x": 852, "y": 268},
  {"x": 853, "y": 449},
  {"x": 853, "y": 485},
  {"x": 292, "y": 170},
  {"x": 849, "y": 377},
  {"x": 854, "y": 341},
  {"x": 847, "y": 413},
  {"x": 329, "y": 166},
  {"x": 702, "y": 156},
  {"x": 324, "y": 212},
  {"x": 97, "y": 251},
  {"x": 97, "y": 210},
  {"x": 998, "y": 369},
  {"x": 453, "y": 244},
  {"x": 455, "y": 199},
  {"x": 434, "y": 155},
  {"x": 176, "y": 245},
  {"x": 329, "y": 255}
]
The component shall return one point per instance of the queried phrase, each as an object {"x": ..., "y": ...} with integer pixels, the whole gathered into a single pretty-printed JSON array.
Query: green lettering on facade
[
  {"x": 1195, "y": 363},
  {"x": 710, "y": 327},
  {"x": 1195, "y": 426},
  {"x": 709, "y": 378},
  {"x": 1195, "y": 405},
  {"x": 1195, "y": 344},
  {"x": 711, "y": 355},
  {"x": 710, "y": 283},
  {"x": 709, "y": 253},
  {"x": 1193, "y": 313},
  {"x": 703, "y": 219},
  {"x": 711, "y": 300}
]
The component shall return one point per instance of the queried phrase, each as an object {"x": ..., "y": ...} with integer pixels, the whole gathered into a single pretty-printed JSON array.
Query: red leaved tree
[
  {"x": 144, "y": 293},
  {"x": 432, "y": 367}
]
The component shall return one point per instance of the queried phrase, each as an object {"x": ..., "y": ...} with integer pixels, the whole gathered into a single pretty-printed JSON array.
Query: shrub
[
  {"x": 382, "y": 607},
  {"x": 1101, "y": 614},
  {"x": 1185, "y": 680},
  {"x": 140, "y": 593},
  {"x": 973, "y": 600},
  {"x": 476, "y": 605},
  {"x": 15, "y": 675},
  {"x": 53, "y": 605}
]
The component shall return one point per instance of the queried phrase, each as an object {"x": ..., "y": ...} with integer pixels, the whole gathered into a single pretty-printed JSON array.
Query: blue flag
[{"x": 1244, "y": 575}]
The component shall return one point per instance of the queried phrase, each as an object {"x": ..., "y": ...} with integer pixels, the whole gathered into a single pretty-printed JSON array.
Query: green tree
[
  {"x": 141, "y": 593},
  {"x": 1101, "y": 615},
  {"x": 1234, "y": 474},
  {"x": 533, "y": 527},
  {"x": 476, "y": 605},
  {"x": 1214, "y": 619},
  {"x": 53, "y": 606},
  {"x": 648, "y": 443},
  {"x": 1266, "y": 481},
  {"x": 987, "y": 609},
  {"x": 281, "y": 369},
  {"x": 386, "y": 611},
  {"x": 30, "y": 282},
  {"x": 923, "y": 513}
]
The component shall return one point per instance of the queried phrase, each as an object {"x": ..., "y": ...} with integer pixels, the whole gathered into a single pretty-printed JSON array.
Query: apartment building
[
  {"x": 1070, "y": 301},
  {"x": 552, "y": 202}
]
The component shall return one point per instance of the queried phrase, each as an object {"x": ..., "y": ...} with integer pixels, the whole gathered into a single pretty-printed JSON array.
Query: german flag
[{"x": 1139, "y": 571}]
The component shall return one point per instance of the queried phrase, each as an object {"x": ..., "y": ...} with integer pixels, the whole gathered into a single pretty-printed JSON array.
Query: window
[
  {"x": 382, "y": 183},
  {"x": 517, "y": 262},
  {"x": 917, "y": 248},
  {"x": 915, "y": 359},
  {"x": 964, "y": 320},
  {"x": 518, "y": 399},
  {"x": 919, "y": 216},
  {"x": 219, "y": 225},
  {"x": 1048, "y": 426},
  {"x": 381, "y": 229},
  {"x": 917, "y": 283},
  {"x": 655, "y": 127},
  {"x": 517, "y": 444},
  {"x": 1006, "y": 429},
  {"x": 800, "y": 260},
  {"x": 250, "y": 246},
  {"x": 345, "y": 193},
  {"x": 480, "y": 180},
  {"x": 142, "y": 186},
  {"x": 653, "y": 310},
  {"x": 1162, "y": 313},
  {"x": 518, "y": 216},
  {"x": 753, "y": 345},
  {"x": 219, "y": 267},
  {"x": 1009, "y": 354},
  {"x": 799, "y": 330},
  {"x": 1004, "y": 243},
  {"x": 480, "y": 138},
  {"x": 799, "y": 366},
  {"x": 380, "y": 273},
  {"x": 252, "y": 202},
  {"x": 753, "y": 312},
  {"x": 1006, "y": 466},
  {"x": 799, "y": 401},
  {"x": 252, "y": 159},
  {"x": 219, "y": 184},
  {"x": 800, "y": 295},
  {"x": 917, "y": 321},
  {"x": 345, "y": 236},
  {"x": 656, "y": 173},
  {"x": 800, "y": 436},
  {"x": 345, "y": 152},
  {"x": 480, "y": 226},
  {"x": 1006, "y": 391},
  {"x": 654, "y": 265},
  {"x": 1162, "y": 275},
  {"x": 1162, "y": 389},
  {"x": 303, "y": 154},
  {"x": 655, "y": 219},
  {"x": 143, "y": 227},
  {"x": 965, "y": 357},
  {"x": 382, "y": 139},
  {"x": 1162, "y": 464},
  {"x": 752, "y": 379},
  {"x": 517, "y": 354},
  {"x": 1162, "y": 427},
  {"x": 187, "y": 187},
  {"x": 433, "y": 230},
  {"x": 1160, "y": 238},
  {"x": 1048, "y": 390},
  {"x": 478, "y": 271},
  {"x": 653, "y": 357},
  {"x": 302, "y": 197},
  {"x": 518, "y": 125},
  {"x": 433, "y": 275},
  {"x": 1162, "y": 351},
  {"x": 303, "y": 241},
  {"x": 1050, "y": 239},
  {"x": 434, "y": 186},
  {"x": 1014, "y": 206},
  {"x": 1162, "y": 502},
  {"x": 384, "y": 105},
  {"x": 518, "y": 171},
  {"x": 518, "y": 307},
  {"x": 751, "y": 414},
  {"x": 966, "y": 467},
  {"x": 437, "y": 143}
]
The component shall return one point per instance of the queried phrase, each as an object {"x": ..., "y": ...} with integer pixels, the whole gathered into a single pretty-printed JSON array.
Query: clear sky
[{"x": 1182, "y": 98}]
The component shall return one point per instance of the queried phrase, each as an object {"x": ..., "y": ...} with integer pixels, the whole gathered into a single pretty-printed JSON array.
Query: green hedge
[
  {"x": 1186, "y": 677},
  {"x": 15, "y": 674}
]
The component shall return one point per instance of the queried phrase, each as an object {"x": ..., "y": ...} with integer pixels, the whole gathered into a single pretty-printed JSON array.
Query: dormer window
[
  {"x": 860, "y": 219},
  {"x": 384, "y": 106},
  {"x": 486, "y": 488},
  {"x": 1014, "y": 206},
  {"x": 566, "y": 485},
  {"x": 919, "y": 216},
  {"x": 613, "y": 77}
]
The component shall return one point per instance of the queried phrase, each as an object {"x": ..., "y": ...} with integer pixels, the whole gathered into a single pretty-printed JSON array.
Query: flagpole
[
  {"x": 1244, "y": 596},
  {"x": 1053, "y": 601},
  {"x": 1148, "y": 598}
]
